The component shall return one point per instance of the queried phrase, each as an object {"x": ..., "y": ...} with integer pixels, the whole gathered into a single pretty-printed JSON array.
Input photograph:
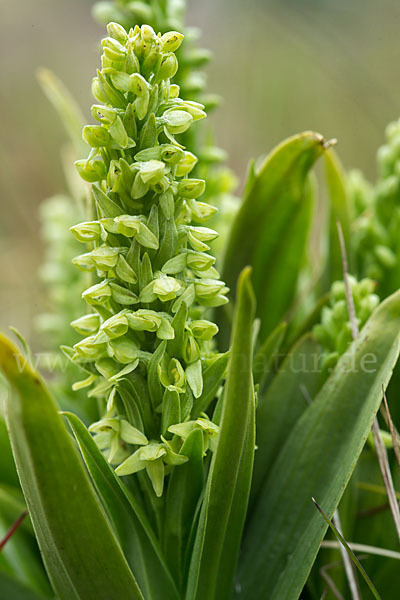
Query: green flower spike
[
  {"x": 334, "y": 332},
  {"x": 148, "y": 346}
]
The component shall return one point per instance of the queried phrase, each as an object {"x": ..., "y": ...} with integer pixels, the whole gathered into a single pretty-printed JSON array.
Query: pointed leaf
[
  {"x": 223, "y": 477},
  {"x": 271, "y": 228},
  {"x": 82, "y": 556},
  {"x": 285, "y": 530}
]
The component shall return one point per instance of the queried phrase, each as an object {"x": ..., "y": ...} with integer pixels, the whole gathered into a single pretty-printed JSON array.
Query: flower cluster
[
  {"x": 165, "y": 15},
  {"x": 148, "y": 349},
  {"x": 334, "y": 332},
  {"x": 376, "y": 229}
]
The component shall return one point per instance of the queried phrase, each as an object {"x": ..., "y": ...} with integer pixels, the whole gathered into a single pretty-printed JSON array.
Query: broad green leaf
[
  {"x": 294, "y": 386},
  {"x": 184, "y": 489},
  {"x": 12, "y": 589},
  {"x": 225, "y": 474},
  {"x": 130, "y": 521},
  {"x": 270, "y": 231},
  {"x": 339, "y": 210},
  {"x": 82, "y": 556},
  {"x": 285, "y": 530}
]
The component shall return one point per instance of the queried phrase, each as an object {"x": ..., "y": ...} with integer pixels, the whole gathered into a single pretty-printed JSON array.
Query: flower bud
[
  {"x": 199, "y": 261},
  {"x": 201, "y": 211},
  {"x": 117, "y": 32},
  {"x": 96, "y": 136},
  {"x": 124, "y": 350},
  {"x": 97, "y": 293},
  {"x": 84, "y": 262},
  {"x": 86, "y": 324},
  {"x": 91, "y": 170},
  {"x": 138, "y": 85},
  {"x": 89, "y": 231},
  {"x": 116, "y": 326},
  {"x": 151, "y": 171},
  {"x": 177, "y": 121},
  {"x": 168, "y": 67},
  {"x": 187, "y": 163},
  {"x": 166, "y": 288},
  {"x": 113, "y": 49},
  {"x": 191, "y": 188},
  {"x": 90, "y": 348},
  {"x": 203, "y": 330},
  {"x": 172, "y": 154},
  {"x": 171, "y": 41},
  {"x": 105, "y": 257}
]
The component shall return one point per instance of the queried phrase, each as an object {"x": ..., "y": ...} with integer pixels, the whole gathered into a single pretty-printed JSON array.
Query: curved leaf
[
  {"x": 82, "y": 556},
  {"x": 270, "y": 231},
  {"x": 285, "y": 530}
]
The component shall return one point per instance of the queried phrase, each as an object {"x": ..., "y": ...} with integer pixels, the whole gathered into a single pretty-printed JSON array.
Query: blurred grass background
[{"x": 282, "y": 66}]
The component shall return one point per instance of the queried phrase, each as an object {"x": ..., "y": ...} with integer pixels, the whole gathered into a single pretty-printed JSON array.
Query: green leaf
[
  {"x": 225, "y": 475},
  {"x": 267, "y": 354},
  {"x": 237, "y": 517},
  {"x": 285, "y": 530},
  {"x": 184, "y": 489},
  {"x": 21, "y": 551},
  {"x": 8, "y": 472},
  {"x": 291, "y": 390},
  {"x": 340, "y": 210},
  {"x": 82, "y": 556},
  {"x": 134, "y": 531},
  {"x": 270, "y": 231},
  {"x": 12, "y": 589}
]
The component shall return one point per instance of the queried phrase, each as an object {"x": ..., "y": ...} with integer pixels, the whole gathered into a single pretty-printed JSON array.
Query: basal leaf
[
  {"x": 285, "y": 530},
  {"x": 82, "y": 556},
  {"x": 225, "y": 475}
]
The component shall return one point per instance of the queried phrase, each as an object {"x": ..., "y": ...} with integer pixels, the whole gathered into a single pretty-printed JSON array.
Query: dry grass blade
[
  {"x": 350, "y": 552},
  {"x": 12, "y": 530},
  {"x": 348, "y": 565},
  {"x": 363, "y": 548},
  {"x": 386, "y": 474},
  {"x": 393, "y": 432},
  {"x": 329, "y": 581}
]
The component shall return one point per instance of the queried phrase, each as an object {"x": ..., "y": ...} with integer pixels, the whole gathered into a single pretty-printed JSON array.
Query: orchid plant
[{"x": 218, "y": 410}]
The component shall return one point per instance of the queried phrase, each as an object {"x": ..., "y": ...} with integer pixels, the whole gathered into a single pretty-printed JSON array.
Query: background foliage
[{"x": 283, "y": 66}]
